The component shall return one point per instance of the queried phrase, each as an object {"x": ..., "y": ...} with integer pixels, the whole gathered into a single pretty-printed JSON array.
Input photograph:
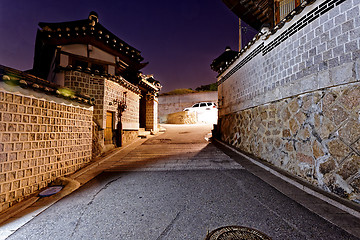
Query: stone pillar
[{"x": 151, "y": 113}]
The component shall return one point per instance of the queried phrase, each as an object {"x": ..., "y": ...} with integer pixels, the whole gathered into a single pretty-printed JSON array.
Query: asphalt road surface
[{"x": 176, "y": 186}]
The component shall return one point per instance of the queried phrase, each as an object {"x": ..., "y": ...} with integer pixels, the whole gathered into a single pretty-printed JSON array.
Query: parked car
[{"x": 202, "y": 106}]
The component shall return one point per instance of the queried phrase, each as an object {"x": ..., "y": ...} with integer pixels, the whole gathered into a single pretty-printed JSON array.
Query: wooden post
[
  {"x": 277, "y": 12},
  {"x": 240, "y": 43}
]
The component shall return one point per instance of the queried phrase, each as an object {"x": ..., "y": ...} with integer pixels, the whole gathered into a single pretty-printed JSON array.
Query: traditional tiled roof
[
  {"x": 18, "y": 78},
  {"x": 88, "y": 30},
  {"x": 222, "y": 61},
  {"x": 150, "y": 83},
  {"x": 256, "y": 13}
]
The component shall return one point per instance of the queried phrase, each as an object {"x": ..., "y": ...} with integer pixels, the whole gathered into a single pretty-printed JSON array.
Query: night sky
[{"x": 179, "y": 39}]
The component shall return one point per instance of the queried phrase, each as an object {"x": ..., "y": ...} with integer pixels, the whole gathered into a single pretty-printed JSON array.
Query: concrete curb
[
  {"x": 296, "y": 183},
  {"x": 21, "y": 213}
]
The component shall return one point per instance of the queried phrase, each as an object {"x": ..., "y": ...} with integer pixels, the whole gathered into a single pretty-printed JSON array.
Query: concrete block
[
  {"x": 334, "y": 12},
  {"x": 351, "y": 46},
  {"x": 342, "y": 74},
  {"x": 333, "y": 62},
  {"x": 339, "y": 50},
  {"x": 308, "y": 83},
  {"x": 335, "y": 31},
  {"x": 345, "y": 6},
  {"x": 346, "y": 58},
  {"x": 340, "y": 19},
  {"x": 347, "y": 26},
  {"x": 357, "y": 69},
  {"x": 354, "y": 34},
  {"x": 323, "y": 79},
  {"x": 343, "y": 38}
]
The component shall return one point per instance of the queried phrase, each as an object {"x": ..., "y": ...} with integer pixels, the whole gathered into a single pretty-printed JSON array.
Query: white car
[{"x": 202, "y": 107}]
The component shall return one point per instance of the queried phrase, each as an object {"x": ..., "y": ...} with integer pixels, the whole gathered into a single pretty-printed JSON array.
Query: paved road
[{"x": 176, "y": 186}]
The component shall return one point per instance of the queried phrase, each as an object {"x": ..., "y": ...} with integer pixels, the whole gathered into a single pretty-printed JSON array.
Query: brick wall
[
  {"x": 42, "y": 138},
  {"x": 293, "y": 98},
  {"x": 318, "y": 48},
  {"x": 92, "y": 86},
  {"x": 105, "y": 91},
  {"x": 314, "y": 135},
  {"x": 130, "y": 117}
]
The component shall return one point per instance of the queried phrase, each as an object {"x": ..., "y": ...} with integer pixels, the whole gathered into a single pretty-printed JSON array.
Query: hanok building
[
  {"x": 85, "y": 56},
  {"x": 291, "y": 95}
]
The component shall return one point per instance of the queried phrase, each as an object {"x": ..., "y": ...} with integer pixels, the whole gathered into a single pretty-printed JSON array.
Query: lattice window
[{"x": 284, "y": 7}]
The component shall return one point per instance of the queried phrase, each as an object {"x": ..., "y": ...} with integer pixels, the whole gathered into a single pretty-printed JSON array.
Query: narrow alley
[{"x": 178, "y": 185}]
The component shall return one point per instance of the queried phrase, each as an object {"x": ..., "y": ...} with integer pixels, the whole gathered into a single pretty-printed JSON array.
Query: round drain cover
[
  {"x": 236, "y": 233},
  {"x": 50, "y": 191}
]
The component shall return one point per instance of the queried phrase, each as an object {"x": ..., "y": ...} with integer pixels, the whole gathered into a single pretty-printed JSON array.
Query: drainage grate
[
  {"x": 236, "y": 233},
  {"x": 50, "y": 191}
]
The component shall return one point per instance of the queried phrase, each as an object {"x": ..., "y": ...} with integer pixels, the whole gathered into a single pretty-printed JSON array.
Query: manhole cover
[
  {"x": 50, "y": 191},
  {"x": 236, "y": 233}
]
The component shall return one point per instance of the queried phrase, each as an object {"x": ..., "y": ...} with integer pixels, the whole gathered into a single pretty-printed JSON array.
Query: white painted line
[{"x": 296, "y": 184}]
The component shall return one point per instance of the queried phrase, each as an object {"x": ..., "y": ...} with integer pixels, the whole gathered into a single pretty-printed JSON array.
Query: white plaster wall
[
  {"x": 78, "y": 49},
  {"x": 97, "y": 53},
  {"x": 64, "y": 60}
]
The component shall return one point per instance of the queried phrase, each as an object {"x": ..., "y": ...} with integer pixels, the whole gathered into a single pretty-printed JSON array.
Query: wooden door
[{"x": 109, "y": 128}]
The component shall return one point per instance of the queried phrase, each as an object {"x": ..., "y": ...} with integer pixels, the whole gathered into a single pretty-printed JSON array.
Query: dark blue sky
[{"x": 179, "y": 39}]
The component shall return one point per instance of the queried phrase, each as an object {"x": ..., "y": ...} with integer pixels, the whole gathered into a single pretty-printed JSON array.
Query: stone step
[{"x": 143, "y": 134}]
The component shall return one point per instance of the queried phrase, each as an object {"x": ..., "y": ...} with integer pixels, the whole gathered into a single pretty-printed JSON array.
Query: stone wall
[
  {"x": 152, "y": 113},
  {"x": 292, "y": 97},
  {"x": 184, "y": 117},
  {"x": 315, "y": 136},
  {"x": 104, "y": 91},
  {"x": 42, "y": 138},
  {"x": 129, "y": 136},
  {"x": 318, "y": 48},
  {"x": 130, "y": 117},
  {"x": 177, "y": 103},
  {"x": 88, "y": 85}
]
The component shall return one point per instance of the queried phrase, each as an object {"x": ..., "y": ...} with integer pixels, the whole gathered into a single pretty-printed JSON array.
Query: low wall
[
  {"x": 129, "y": 136},
  {"x": 42, "y": 138},
  {"x": 177, "y": 103},
  {"x": 184, "y": 117}
]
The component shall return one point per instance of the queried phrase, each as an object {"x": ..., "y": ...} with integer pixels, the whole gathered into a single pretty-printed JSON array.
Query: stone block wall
[
  {"x": 185, "y": 117},
  {"x": 130, "y": 117},
  {"x": 42, "y": 138},
  {"x": 92, "y": 86},
  {"x": 129, "y": 136},
  {"x": 105, "y": 91},
  {"x": 292, "y": 98},
  {"x": 318, "y": 48},
  {"x": 314, "y": 135}
]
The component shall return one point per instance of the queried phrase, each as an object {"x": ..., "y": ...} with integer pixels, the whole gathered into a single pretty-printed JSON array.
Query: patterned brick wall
[
  {"x": 317, "y": 49},
  {"x": 42, "y": 138},
  {"x": 293, "y": 99},
  {"x": 105, "y": 91},
  {"x": 130, "y": 117},
  {"x": 92, "y": 86}
]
